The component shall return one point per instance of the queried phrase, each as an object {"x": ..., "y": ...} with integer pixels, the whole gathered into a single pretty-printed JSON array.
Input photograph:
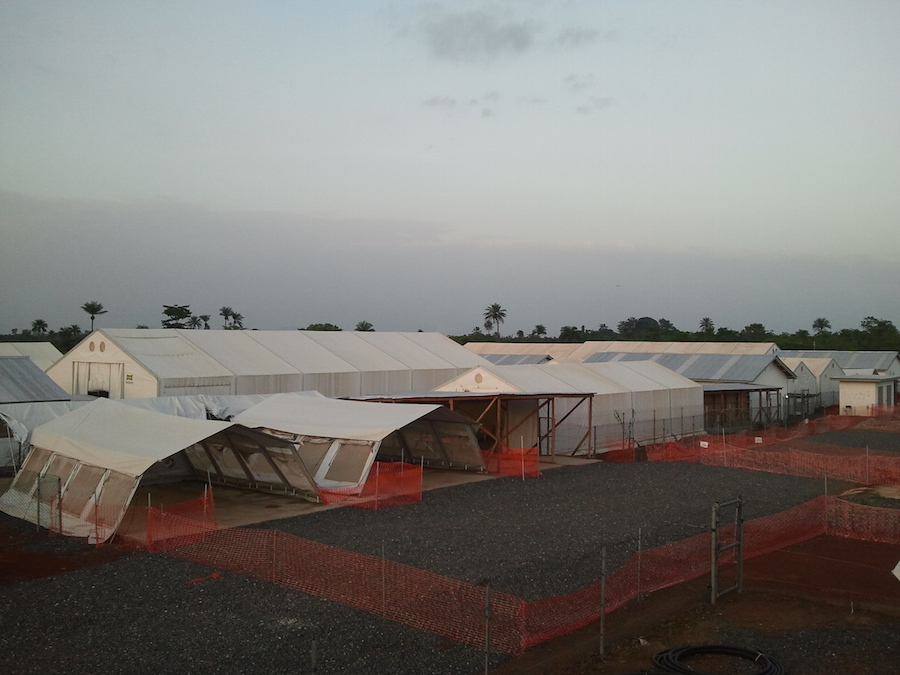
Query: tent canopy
[
  {"x": 121, "y": 437},
  {"x": 330, "y": 418}
]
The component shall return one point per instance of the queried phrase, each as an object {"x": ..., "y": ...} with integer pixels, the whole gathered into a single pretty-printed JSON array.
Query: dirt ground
[{"x": 825, "y": 606}]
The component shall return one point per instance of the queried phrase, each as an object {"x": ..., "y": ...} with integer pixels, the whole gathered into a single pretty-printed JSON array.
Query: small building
[
  {"x": 867, "y": 394},
  {"x": 825, "y": 372},
  {"x": 765, "y": 371}
]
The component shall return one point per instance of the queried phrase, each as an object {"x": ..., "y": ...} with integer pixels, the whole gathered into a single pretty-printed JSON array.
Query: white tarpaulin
[
  {"x": 330, "y": 418},
  {"x": 121, "y": 437}
]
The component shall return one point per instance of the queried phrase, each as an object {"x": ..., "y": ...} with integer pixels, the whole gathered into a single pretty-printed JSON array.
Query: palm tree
[
  {"x": 495, "y": 314},
  {"x": 821, "y": 326},
  {"x": 706, "y": 325},
  {"x": 237, "y": 321},
  {"x": 205, "y": 319},
  {"x": 365, "y": 327},
  {"x": 540, "y": 330},
  {"x": 195, "y": 322},
  {"x": 226, "y": 313},
  {"x": 93, "y": 308},
  {"x": 38, "y": 327}
]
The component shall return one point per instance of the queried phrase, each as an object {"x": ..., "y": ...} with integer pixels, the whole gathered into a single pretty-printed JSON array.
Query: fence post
[
  {"x": 639, "y": 563},
  {"x": 38, "y": 503},
  {"x": 487, "y": 625},
  {"x": 314, "y": 656},
  {"x": 59, "y": 501},
  {"x": 603, "y": 601}
]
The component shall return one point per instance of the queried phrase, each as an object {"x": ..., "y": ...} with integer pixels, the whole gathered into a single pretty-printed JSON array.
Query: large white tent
[
  {"x": 87, "y": 463},
  {"x": 142, "y": 363},
  {"x": 642, "y": 402}
]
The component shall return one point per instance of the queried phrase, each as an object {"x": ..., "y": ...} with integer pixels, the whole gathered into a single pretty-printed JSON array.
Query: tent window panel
[
  {"x": 349, "y": 462},
  {"x": 28, "y": 475},
  {"x": 420, "y": 441},
  {"x": 260, "y": 468},
  {"x": 292, "y": 470},
  {"x": 55, "y": 477},
  {"x": 392, "y": 447},
  {"x": 199, "y": 459},
  {"x": 227, "y": 462},
  {"x": 117, "y": 489},
  {"x": 312, "y": 453},
  {"x": 459, "y": 443},
  {"x": 81, "y": 488}
]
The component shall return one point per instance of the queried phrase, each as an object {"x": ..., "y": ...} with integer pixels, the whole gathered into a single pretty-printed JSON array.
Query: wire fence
[{"x": 456, "y": 609}]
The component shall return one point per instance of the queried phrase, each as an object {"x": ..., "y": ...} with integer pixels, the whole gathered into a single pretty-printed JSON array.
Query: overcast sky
[{"x": 409, "y": 163}]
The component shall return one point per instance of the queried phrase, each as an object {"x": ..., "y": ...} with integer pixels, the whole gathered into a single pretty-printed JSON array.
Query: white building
[{"x": 143, "y": 363}]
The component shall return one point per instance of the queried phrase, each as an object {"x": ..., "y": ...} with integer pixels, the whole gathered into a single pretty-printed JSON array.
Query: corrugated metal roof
[
  {"x": 516, "y": 359},
  {"x": 44, "y": 354},
  {"x": 702, "y": 367},
  {"x": 22, "y": 381},
  {"x": 847, "y": 359}
]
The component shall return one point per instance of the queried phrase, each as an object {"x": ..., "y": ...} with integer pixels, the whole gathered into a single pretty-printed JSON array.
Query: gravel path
[{"x": 535, "y": 538}]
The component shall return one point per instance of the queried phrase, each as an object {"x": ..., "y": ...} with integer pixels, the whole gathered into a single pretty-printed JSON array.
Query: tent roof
[
  {"x": 816, "y": 366},
  {"x": 573, "y": 351},
  {"x": 847, "y": 359},
  {"x": 332, "y": 418},
  {"x": 710, "y": 367},
  {"x": 44, "y": 354},
  {"x": 517, "y": 359},
  {"x": 180, "y": 353},
  {"x": 582, "y": 378},
  {"x": 121, "y": 437},
  {"x": 22, "y": 380}
]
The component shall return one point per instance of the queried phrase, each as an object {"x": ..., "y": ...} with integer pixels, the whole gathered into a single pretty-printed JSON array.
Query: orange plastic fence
[
  {"x": 512, "y": 461},
  {"x": 159, "y": 529},
  {"x": 797, "y": 457},
  {"x": 456, "y": 609},
  {"x": 388, "y": 484}
]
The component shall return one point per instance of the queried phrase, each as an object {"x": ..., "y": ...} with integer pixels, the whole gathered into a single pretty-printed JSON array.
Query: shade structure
[
  {"x": 87, "y": 464},
  {"x": 339, "y": 440}
]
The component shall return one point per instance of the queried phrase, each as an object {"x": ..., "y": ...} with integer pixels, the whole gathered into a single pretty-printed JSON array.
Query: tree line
[{"x": 873, "y": 334}]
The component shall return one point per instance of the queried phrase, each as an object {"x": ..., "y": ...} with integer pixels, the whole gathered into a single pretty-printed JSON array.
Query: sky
[{"x": 410, "y": 163}]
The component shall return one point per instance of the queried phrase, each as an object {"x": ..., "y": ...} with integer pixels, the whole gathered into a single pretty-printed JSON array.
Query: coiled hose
[{"x": 670, "y": 659}]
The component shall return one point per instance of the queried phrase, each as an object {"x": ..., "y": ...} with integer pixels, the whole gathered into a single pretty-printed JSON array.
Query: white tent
[
  {"x": 639, "y": 401},
  {"x": 88, "y": 463},
  {"x": 143, "y": 363},
  {"x": 339, "y": 440}
]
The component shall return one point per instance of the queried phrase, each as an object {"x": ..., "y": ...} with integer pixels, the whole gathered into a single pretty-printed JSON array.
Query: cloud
[
  {"x": 475, "y": 35},
  {"x": 440, "y": 102},
  {"x": 577, "y": 83},
  {"x": 593, "y": 104},
  {"x": 575, "y": 37}
]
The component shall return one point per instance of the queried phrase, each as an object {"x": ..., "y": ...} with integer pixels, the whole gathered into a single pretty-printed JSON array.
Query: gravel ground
[
  {"x": 543, "y": 537},
  {"x": 880, "y": 441},
  {"x": 536, "y": 538}
]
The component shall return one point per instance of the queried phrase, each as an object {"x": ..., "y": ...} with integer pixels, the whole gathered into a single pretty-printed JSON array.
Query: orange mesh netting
[
  {"x": 173, "y": 525},
  {"x": 456, "y": 609},
  {"x": 388, "y": 484},
  {"x": 512, "y": 461}
]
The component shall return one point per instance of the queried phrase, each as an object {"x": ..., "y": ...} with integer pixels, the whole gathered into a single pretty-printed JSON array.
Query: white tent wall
[
  {"x": 638, "y": 400},
  {"x": 73, "y": 371}
]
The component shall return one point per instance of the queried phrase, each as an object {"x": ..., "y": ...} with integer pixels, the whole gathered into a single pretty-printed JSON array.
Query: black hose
[{"x": 670, "y": 659}]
